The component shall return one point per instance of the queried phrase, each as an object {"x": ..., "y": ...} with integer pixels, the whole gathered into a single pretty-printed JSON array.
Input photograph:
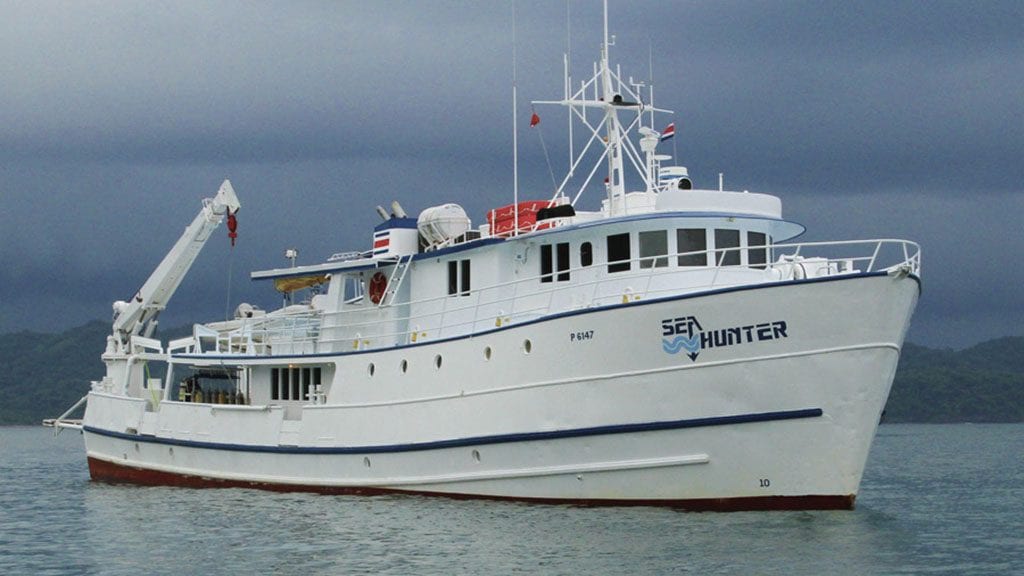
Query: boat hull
[{"x": 750, "y": 398}]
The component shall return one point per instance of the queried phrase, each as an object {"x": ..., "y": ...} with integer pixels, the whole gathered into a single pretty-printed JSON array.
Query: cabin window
[
  {"x": 727, "y": 243},
  {"x": 545, "y": 263},
  {"x": 296, "y": 375},
  {"x": 618, "y": 253},
  {"x": 692, "y": 240},
  {"x": 293, "y": 383},
  {"x": 562, "y": 258},
  {"x": 353, "y": 289},
  {"x": 586, "y": 254},
  {"x": 560, "y": 261},
  {"x": 458, "y": 277},
  {"x": 465, "y": 278},
  {"x": 654, "y": 243},
  {"x": 757, "y": 249}
]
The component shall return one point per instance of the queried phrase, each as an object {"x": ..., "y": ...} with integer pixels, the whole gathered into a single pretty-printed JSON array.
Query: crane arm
[{"x": 131, "y": 318}]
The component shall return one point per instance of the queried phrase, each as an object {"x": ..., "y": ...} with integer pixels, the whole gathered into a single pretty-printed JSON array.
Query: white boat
[{"x": 672, "y": 347}]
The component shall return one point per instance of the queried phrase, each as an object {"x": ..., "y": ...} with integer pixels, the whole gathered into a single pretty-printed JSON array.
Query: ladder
[{"x": 395, "y": 281}]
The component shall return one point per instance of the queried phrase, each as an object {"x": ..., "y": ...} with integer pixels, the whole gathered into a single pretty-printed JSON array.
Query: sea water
[{"x": 935, "y": 500}]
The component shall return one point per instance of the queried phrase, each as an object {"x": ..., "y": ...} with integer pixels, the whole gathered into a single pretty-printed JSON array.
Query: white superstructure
[{"x": 670, "y": 348}]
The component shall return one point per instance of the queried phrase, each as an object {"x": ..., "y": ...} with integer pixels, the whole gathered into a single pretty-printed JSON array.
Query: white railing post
[{"x": 874, "y": 256}]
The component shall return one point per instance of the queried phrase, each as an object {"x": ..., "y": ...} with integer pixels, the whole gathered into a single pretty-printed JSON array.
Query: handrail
[{"x": 496, "y": 304}]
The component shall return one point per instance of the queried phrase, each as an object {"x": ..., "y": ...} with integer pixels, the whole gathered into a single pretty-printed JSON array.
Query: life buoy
[{"x": 378, "y": 284}]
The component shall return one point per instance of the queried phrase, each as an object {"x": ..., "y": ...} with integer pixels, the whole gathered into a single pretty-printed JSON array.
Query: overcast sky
[{"x": 869, "y": 119}]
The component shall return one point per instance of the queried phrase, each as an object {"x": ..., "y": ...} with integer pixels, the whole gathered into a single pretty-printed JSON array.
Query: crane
[{"x": 138, "y": 316}]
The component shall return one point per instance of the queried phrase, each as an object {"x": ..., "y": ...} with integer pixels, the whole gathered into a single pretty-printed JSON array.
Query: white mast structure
[{"x": 606, "y": 92}]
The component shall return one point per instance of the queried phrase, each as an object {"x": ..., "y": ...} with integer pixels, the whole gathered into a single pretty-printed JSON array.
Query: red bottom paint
[{"x": 104, "y": 471}]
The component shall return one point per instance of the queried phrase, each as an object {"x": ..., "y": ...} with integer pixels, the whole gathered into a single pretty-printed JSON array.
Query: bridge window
[
  {"x": 727, "y": 244},
  {"x": 692, "y": 240},
  {"x": 618, "y": 253},
  {"x": 654, "y": 243},
  {"x": 757, "y": 249},
  {"x": 586, "y": 254}
]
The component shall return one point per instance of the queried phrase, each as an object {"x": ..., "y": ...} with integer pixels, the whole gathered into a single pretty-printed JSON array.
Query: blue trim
[
  {"x": 663, "y": 215},
  {"x": 566, "y": 314},
  {"x": 478, "y": 440},
  {"x": 395, "y": 222},
  {"x": 472, "y": 244}
]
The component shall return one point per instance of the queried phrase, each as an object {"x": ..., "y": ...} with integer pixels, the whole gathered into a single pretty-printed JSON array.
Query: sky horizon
[{"x": 868, "y": 120}]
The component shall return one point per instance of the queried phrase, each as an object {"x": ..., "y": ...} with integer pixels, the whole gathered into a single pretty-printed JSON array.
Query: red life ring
[{"x": 378, "y": 284}]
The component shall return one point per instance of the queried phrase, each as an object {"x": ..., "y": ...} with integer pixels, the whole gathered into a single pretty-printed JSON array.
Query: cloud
[{"x": 898, "y": 119}]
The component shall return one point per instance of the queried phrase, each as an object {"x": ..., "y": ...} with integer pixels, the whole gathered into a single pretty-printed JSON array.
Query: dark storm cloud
[{"x": 869, "y": 119}]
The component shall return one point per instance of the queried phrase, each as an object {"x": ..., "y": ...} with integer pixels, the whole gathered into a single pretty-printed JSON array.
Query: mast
[
  {"x": 515, "y": 133},
  {"x": 616, "y": 186},
  {"x": 606, "y": 92}
]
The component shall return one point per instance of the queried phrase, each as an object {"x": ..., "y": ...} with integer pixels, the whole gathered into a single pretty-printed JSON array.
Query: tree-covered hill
[
  {"x": 984, "y": 383},
  {"x": 44, "y": 374}
]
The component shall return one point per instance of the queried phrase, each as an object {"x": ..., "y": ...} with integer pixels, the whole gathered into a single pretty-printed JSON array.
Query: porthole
[
  {"x": 487, "y": 353},
  {"x": 476, "y": 455},
  {"x": 527, "y": 346},
  {"x": 366, "y": 461},
  {"x": 437, "y": 362},
  {"x": 405, "y": 366},
  {"x": 370, "y": 369}
]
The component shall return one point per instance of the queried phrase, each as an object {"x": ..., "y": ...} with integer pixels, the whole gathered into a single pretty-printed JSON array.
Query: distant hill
[
  {"x": 984, "y": 383},
  {"x": 44, "y": 374}
]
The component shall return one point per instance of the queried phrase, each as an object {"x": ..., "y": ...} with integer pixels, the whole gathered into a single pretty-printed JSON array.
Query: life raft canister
[{"x": 378, "y": 284}]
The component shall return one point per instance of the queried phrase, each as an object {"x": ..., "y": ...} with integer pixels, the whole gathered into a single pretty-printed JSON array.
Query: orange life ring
[{"x": 378, "y": 284}]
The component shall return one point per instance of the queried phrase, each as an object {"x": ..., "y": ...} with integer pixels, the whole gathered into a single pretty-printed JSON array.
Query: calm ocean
[{"x": 935, "y": 500}]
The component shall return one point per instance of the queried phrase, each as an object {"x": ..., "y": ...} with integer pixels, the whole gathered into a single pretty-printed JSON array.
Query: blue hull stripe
[{"x": 479, "y": 440}]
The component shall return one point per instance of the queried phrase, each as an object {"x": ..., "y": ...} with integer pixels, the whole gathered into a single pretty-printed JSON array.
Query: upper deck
[{"x": 483, "y": 286}]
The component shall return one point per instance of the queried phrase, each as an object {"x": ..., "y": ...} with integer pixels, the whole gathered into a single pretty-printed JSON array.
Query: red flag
[{"x": 534, "y": 120}]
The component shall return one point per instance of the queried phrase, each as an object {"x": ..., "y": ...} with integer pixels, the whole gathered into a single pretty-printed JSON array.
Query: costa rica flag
[{"x": 668, "y": 132}]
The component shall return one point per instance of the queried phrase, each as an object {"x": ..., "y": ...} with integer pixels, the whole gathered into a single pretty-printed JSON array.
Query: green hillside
[
  {"x": 47, "y": 373},
  {"x": 984, "y": 383}
]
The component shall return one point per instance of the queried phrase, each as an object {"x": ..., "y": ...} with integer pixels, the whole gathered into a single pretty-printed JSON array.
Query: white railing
[{"x": 362, "y": 327}]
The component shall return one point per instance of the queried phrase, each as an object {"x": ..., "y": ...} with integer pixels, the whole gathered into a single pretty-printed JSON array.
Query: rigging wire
[
  {"x": 547, "y": 157},
  {"x": 227, "y": 303}
]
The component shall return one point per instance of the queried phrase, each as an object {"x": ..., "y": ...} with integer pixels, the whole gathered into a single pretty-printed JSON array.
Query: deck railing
[{"x": 365, "y": 327}]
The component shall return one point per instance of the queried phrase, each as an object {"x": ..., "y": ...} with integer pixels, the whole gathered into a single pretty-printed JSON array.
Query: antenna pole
[
  {"x": 515, "y": 132},
  {"x": 568, "y": 80}
]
